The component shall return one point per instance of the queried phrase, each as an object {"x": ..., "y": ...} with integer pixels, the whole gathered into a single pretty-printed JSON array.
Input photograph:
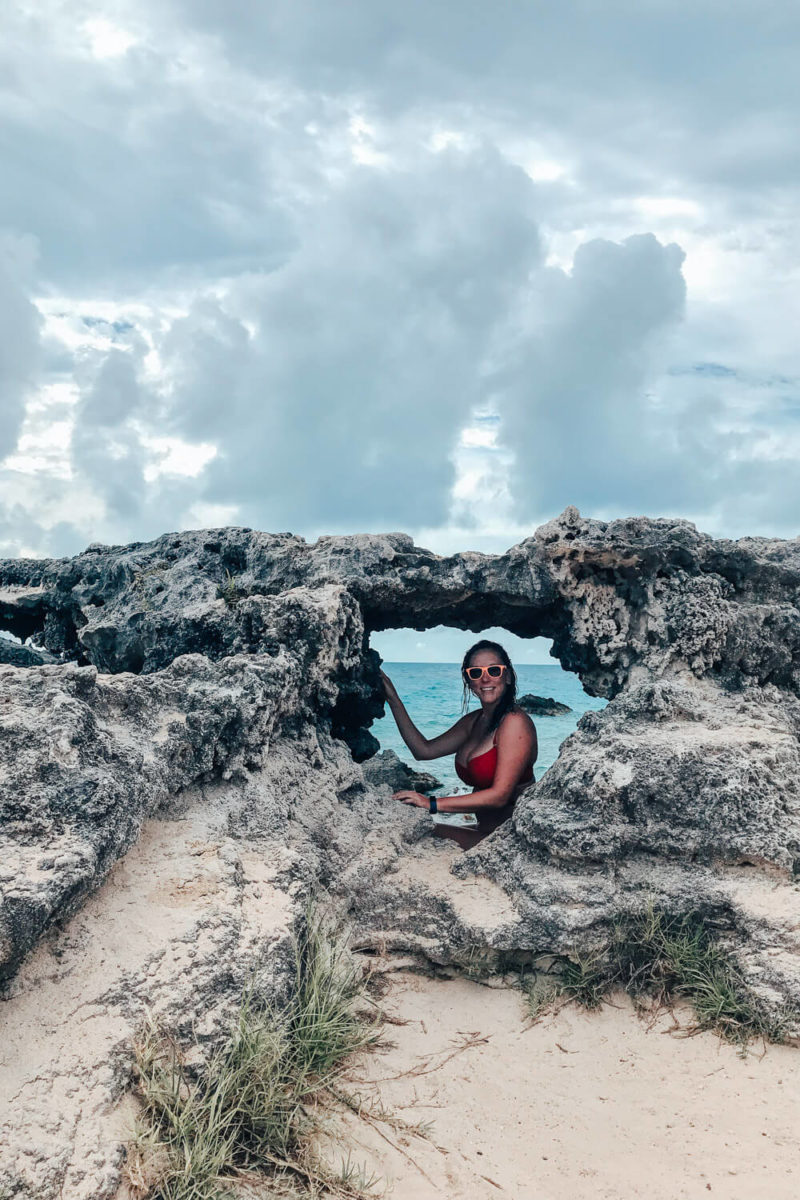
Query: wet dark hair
[{"x": 509, "y": 698}]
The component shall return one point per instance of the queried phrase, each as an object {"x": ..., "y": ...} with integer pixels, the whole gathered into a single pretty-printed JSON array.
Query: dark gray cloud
[
  {"x": 188, "y": 155},
  {"x": 573, "y": 396},
  {"x": 106, "y": 449},
  {"x": 316, "y": 239},
  {"x": 139, "y": 167},
  {"x": 709, "y": 91}
]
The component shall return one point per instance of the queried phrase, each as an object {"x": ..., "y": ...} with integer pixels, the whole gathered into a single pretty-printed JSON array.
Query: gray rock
[
  {"x": 174, "y": 787},
  {"x": 387, "y": 770},
  {"x": 16, "y": 654},
  {"x": 85, "y": 757},
  {"x": 542, "y": 706},
  {"x": 679, "y": 770}
]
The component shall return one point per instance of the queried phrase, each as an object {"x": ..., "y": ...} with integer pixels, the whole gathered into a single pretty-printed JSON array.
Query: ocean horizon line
[{"x": 429, "y": 662}]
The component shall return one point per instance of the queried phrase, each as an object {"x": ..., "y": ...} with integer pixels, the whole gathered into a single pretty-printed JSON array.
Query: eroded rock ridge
[{"x": 219, "y": 683}]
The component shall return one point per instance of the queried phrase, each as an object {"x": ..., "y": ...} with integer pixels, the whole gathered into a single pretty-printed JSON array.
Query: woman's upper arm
[
  {"x": 516, "y": 750},
  {"x": 451, "y": 740}
]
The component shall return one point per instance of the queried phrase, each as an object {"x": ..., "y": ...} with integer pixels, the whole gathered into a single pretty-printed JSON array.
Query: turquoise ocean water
[{"x": 432, "y": 693}]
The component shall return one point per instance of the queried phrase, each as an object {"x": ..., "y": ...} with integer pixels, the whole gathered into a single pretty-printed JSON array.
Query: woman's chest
[{"x": 474, "y": 748}]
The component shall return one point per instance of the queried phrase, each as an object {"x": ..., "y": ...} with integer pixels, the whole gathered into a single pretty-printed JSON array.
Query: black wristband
[{"x": 432, "y": 806}]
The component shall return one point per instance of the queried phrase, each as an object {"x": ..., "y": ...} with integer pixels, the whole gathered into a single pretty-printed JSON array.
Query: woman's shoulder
[
  {"x": 468, "y": 720},
  {"x": 465, "y": 725},
  {"x": 517, "y": 719}
]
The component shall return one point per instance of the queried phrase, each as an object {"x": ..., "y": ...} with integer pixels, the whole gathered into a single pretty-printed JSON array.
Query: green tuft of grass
[
  {"x": 541, "y": 991},
  {"x": 246, "y": 1110},
  {"x": 666, "y": 955},
  {"x": 357, "y": 1177},
  {"x": 585, "y": 979},
  {"x": 662, "y": 956},
  {"x": 229, "y": 591}
]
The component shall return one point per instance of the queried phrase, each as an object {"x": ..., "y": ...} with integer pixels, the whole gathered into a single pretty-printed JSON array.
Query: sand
[
  {"x": 580, "y": 1106},
  {"x": 183, "y": 901}
]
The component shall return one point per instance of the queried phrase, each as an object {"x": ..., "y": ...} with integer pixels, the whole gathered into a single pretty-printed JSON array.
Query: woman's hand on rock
[
  {"x": 414, "y": 798},
  {"x": 389, "y": 690}
]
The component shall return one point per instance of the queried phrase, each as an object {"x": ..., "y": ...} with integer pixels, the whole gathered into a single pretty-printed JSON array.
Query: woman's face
[{"x": 487, "y": 689}]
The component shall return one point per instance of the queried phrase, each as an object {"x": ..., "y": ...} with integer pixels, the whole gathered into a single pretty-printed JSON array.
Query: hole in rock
[
  {"x": 41, "y": 633},
  {"x": 21, "y": 652},
  {"x": 425, "y": 667},
  {"x": 21, "y": 624}
]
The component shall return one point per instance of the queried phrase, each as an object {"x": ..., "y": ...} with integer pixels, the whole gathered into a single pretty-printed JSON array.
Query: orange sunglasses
[{"x": 495, "y": 671}]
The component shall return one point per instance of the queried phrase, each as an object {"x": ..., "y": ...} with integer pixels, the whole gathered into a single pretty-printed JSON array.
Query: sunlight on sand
[{"x": 580, "y": 1106}]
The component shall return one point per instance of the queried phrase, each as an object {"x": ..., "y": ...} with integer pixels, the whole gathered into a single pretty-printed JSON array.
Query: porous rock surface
[
  {"x": 388, "y": 770},
  {"x": 188, "y": 770}
]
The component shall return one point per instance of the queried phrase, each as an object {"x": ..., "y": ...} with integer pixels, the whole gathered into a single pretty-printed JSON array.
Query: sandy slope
[
  {"x": 577, "y": 1107},
  {"x": 185, "y": 902}
]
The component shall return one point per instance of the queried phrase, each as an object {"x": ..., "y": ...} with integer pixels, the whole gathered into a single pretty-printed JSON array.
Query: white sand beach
[{"x": 579, "y": 1106}]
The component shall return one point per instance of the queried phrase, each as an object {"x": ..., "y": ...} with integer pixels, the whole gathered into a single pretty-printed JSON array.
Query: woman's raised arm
[{"x": 421, "y": 747}]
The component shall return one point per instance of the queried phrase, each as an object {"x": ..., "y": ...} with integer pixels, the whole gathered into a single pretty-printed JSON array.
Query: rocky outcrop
[
  {"x": 543, "y": 706},
  {"x": 203, "y": 728},
  {"x": 388, "y": 771},
  {"x": 16, "y": 654},
  {"x": 87, "y": 756}
]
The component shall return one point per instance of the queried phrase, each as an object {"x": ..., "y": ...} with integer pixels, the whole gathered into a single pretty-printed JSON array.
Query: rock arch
[
  {"x": 216, "y": 675},
  {"x": 184, "y": 657}
]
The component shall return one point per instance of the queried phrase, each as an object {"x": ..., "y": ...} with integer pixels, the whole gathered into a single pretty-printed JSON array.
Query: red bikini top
[{"x": 479, "y": 770}]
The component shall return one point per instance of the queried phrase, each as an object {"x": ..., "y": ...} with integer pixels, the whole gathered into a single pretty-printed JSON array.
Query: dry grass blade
[
  {"x": 656, "y": 956},
  {"x": 245, "y": 1111},
  {"x": 468, "y": 1042}
]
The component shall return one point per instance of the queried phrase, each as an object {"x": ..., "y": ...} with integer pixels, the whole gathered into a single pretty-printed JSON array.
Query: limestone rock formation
[
  {"x": 175, "y": 783},
  {"x": 17, "y": 654},
  {"x": 542, "y": 706},
  {"x": 388, "y": 771}
]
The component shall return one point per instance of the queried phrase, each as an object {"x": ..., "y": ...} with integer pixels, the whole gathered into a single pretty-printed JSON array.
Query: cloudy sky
[{"x": 443, "y": 266}]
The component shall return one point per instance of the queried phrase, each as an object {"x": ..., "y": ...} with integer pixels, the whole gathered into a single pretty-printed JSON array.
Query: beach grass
[
  {"x": 584, "y": 979},
  {"x": 229, "y": 591},
  {"x": 661, "y": 957},
  {"x": 674, "y": 955},
  {"x": 245, "y": 1114}
]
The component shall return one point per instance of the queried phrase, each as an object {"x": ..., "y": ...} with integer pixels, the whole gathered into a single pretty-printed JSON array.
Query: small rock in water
[
  {"x": 543, "y": 706},
  {"x": 16, "y": 654}
]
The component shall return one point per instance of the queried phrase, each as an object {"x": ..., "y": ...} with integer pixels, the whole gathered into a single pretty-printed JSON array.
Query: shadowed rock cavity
[{"x": 224, "y": 677}]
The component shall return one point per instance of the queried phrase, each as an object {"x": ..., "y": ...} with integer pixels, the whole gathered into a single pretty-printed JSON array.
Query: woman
[{"x": 495, "y": 748}]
